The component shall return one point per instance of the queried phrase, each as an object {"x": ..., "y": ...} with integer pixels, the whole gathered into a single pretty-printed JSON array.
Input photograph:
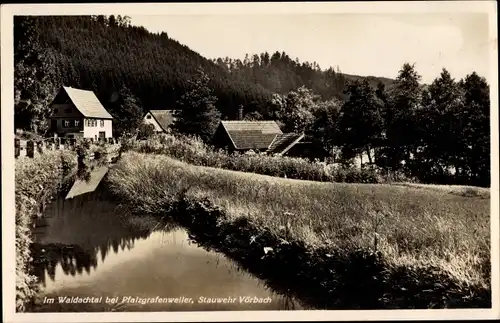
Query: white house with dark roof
[{"x": 78, "y": 113}]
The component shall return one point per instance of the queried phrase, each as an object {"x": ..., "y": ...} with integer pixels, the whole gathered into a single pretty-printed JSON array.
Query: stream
[{"x": 91, "y": 254}]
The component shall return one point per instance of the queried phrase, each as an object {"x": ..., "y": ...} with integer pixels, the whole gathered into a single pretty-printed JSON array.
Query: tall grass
[
  {"x": 414, "y": 230},
  {"x": 194, "y": 151},
  {"x": 36, "y": 180}
]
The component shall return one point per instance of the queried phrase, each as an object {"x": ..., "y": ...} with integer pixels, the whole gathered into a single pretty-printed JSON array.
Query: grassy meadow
[
  {"x": 196, "y": 152},
  {"x": 411, "y": 227}
]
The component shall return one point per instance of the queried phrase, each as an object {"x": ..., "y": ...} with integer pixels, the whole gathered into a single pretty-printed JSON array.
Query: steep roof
[
  {"x": 164, "y": 117},
  {"x": 283, "y": 142},
  {"x": 87, "y": 103},
  {"x": 251, "y": 134},
  {"x": 260, "y": 135}
]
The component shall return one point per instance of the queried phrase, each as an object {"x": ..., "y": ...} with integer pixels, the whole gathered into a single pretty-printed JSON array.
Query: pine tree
[
  {"x": 127, "y": 110},
  {"x": 402, "y": 126}
]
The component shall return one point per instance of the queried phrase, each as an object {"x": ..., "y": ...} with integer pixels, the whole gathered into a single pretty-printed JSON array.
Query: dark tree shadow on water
[{"x": 74, "y": 232}]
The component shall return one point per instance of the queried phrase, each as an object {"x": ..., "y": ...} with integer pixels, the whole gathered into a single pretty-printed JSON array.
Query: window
[
  {"x": 102, "y": 123},
  {"x": 148, "y": 117},
  {"x": 77, "y": 123},
  {"x": 95, "y": 123},
  {"x": 66, "y": 123},
  {"x": 56, "y": 110}
]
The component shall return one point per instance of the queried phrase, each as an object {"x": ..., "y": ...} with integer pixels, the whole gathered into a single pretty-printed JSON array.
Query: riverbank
[
  {"x": 37, "y": 181},
  {"x": 90, "y": 246},
  {"x": 342, "y": 245}
]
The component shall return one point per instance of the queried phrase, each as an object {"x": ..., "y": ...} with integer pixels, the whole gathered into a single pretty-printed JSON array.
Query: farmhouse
[
  {"x": 160, "y": 119},
  {"x": 78, "y": 113},
  {"x": 259, "y": 136}
]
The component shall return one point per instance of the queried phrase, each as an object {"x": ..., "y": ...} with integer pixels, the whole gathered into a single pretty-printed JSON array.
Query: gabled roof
[
  {"x": 87, "y": 103},
  {"x": 163, "y": 117},
  {"x": 283, "y": 142},
  {"x": 251, "y": 134},
  {"x": 260, "y": 135}
]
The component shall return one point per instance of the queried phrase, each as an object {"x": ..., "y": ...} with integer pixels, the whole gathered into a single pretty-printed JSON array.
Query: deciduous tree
[
  {"x": 361, "y": 123},
  {"x": 198, "y": 115}
]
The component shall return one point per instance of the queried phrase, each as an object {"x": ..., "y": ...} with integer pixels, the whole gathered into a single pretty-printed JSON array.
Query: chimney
[{"x": 240, "y": 113}]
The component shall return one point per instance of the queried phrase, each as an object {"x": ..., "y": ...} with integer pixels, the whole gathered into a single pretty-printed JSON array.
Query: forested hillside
[
  {"x": 279, "y": 73},
  {"x": 437, "y": 133},
  {"x": 107, "y": 54}
]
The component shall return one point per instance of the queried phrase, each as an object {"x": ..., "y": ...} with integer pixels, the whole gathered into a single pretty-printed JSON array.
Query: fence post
[
  {"x": 58, "y": 143},
  {"x": 63, "y": 143},
  {"x": 17, "y": 147},
  {"x": 30, "y": 148},
  {"x": 48, "y": 144}
]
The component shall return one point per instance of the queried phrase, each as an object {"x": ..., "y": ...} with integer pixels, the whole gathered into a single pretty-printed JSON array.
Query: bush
[
  {"x": 36, "y": 180},
  {"x": 145, "y": 131},
  {"x": 194, "y": 151}
]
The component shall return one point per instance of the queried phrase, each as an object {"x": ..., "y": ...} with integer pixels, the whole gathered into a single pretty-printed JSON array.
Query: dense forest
[
  {"x": 107, "y": 54},
  {"x": 438, "y": 133}
]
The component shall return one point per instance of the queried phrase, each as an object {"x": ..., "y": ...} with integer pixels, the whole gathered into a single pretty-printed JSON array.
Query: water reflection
[
  {"x": 90, "y": 246},
  {"x": 79, "y": 233}
]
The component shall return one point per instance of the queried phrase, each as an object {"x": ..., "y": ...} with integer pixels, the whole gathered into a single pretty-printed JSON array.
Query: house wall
[
  {"x": 66, "y": 120},
  {"x": 152, "y": 121},
  {"x": 221, "y": 139},
  {"x": 75, "y": 126},
  {"x": 93, "y": 131},
  {"x": 65, "y": 111},
  {"x": 309, "y": 151}
]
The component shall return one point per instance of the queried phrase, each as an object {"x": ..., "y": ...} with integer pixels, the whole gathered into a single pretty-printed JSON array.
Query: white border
[{"x": 8, "y": 206}]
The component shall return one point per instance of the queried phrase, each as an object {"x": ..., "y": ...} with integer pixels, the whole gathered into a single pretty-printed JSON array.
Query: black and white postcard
[{"x": 250, "y": 161}]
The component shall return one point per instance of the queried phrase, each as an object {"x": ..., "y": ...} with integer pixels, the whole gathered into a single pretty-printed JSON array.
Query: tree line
[
  {"x": 438, "y": 133},
  {"x": 109, "y": 55}
]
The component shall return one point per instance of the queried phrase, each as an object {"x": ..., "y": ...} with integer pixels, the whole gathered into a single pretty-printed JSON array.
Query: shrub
[
  {"x": 36, "y": 180},
  {"x": 145, "y": 131},
  {"x": 194, "y": 151}
]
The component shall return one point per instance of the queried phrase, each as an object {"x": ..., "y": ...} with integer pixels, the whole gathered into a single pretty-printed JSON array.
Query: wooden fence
[{"x": 29, "y": 148}]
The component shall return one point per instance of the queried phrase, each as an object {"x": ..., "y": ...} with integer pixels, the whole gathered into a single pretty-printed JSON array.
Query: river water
[{"x": 90, "y": 249}]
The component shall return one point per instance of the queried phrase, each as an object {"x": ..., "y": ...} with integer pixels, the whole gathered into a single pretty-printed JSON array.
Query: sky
[{"x": 361, "y": 44}]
